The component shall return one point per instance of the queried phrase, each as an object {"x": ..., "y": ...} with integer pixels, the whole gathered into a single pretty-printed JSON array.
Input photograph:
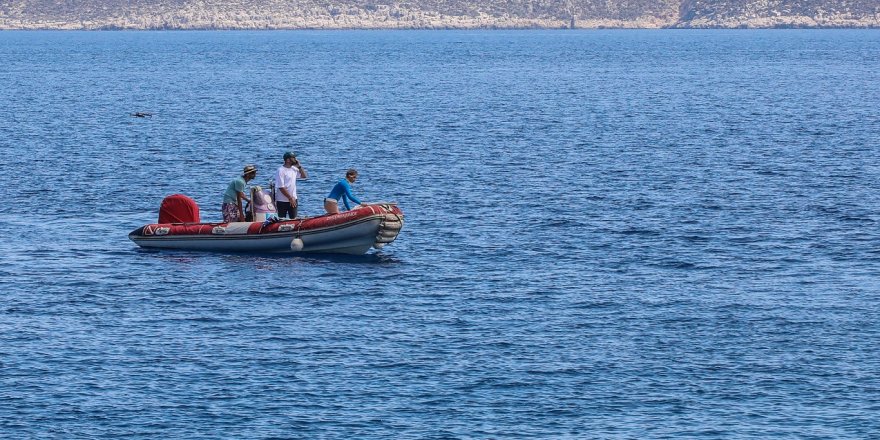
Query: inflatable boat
[{"x": 372, "y": 225}]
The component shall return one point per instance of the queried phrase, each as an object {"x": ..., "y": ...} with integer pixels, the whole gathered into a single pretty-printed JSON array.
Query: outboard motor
[{"x": 178, "y": 208}]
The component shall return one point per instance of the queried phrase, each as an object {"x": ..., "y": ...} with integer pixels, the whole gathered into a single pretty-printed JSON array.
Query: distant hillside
[{"x": 422, "y": 14}]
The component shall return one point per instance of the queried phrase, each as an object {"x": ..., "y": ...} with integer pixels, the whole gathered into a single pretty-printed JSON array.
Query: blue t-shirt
[
  {"x": 231, "y": 194},
  {"x": 343, "y": 190}
]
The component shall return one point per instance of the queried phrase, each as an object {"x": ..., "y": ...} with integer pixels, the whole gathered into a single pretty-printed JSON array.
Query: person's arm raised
[{"x": 303, "y": 174}]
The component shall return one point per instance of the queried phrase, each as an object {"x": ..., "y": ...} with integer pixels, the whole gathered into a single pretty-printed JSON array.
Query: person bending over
[
  {"x": 342, "y": 190},
  {"x": 285, "y": 180},
  {"x": 232, "y": 210}
]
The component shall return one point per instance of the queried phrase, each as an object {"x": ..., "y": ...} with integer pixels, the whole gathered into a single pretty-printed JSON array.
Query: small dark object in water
[{"x": 142, "y": 115}]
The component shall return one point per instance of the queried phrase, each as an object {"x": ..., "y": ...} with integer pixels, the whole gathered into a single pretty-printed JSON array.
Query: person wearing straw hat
[
  {"x": 232, "y": 198},
  {"x": 285, "y": 180}
]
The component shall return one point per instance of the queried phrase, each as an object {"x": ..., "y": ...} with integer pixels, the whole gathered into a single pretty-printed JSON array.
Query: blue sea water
[{"x": 610, "y": 234}]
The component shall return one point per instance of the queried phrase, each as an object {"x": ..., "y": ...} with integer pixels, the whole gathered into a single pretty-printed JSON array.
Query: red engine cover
[{"x": 179, "y": 208}]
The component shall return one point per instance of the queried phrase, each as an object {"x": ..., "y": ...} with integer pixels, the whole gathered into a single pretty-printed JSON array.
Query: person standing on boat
[
  {"x": 232, "y": 209},
  {"x": 285, "y": 181},
  {"x": 342, "y": 190}
]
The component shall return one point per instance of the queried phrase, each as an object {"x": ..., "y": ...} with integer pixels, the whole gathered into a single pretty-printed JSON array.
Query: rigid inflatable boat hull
[{"x": 351, "y": 232}]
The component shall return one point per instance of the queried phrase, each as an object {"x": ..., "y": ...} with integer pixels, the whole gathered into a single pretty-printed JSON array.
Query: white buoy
[
  {"x": 378, "y": 245},
  {"x": 296, "y": 245}
]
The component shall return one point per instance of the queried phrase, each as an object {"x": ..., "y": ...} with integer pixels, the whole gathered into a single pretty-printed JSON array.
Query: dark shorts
[{"x": 286, "y": 210}]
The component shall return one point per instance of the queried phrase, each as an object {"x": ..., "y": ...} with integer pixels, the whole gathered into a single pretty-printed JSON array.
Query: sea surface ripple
[{"x": 610, "y": 234}]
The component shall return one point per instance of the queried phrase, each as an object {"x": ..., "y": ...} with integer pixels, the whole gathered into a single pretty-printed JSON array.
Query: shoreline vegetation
[{"x": 421, "y": 14}]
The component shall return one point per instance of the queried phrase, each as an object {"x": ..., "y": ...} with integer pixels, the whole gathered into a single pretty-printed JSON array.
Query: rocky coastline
[{"x": 490, "y": 14}]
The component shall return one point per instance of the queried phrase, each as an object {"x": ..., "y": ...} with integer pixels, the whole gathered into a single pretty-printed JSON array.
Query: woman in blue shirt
[{"x": 342, "y": 190}]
